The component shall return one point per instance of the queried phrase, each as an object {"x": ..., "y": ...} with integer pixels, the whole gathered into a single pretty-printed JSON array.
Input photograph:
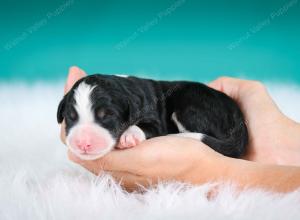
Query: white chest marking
[
  {"x": 183, "y": 131},
  {"x": 193, "y": 135},
  {"x": 178, "y": 124}
]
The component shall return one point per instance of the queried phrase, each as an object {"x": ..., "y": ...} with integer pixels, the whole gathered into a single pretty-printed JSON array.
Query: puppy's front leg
[{"x": 131, "y": 137}]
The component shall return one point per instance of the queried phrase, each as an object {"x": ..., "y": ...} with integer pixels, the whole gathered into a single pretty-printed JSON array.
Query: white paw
[{"x": 131, "y": 137}]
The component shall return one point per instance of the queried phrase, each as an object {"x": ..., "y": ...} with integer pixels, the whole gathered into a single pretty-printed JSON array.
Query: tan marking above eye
[
  {"x": 73, "y": 115},
  {"x": 100, "y": 113}
]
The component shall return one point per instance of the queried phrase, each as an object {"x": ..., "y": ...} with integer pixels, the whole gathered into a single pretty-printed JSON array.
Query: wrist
[
  {"x": 243, "y": 174},
  {"x": 247, "y": 174}
]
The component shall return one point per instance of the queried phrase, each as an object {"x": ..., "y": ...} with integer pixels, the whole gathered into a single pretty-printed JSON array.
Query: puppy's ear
[{"x": 60, "y": 110}]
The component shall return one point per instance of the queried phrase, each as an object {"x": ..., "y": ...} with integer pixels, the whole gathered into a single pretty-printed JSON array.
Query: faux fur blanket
[{"x": 38, "y": 182}]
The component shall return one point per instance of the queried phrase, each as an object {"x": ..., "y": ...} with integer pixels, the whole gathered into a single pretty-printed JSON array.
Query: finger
[
  {"x": 138, "y": 160},
  {"x": 63, "y": 132},
  {"x": 230, "y": 86},
  {"x": 132, "y": 182},
  {"x": 94, "y": 169},
  {"x": 216, "y": 84},
  {"x": 128, "y": 180},
  {"x": 227, "y": 85},
  {"x": 117, "y": 160},
  {"x": 75, "y": 73}
]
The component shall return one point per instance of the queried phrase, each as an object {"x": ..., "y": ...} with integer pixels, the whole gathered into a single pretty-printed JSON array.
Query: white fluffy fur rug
[{"x": 38, "y": 182}]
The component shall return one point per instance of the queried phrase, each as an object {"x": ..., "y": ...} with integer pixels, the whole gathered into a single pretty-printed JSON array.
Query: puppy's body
[{"x": 103, "y": 110}]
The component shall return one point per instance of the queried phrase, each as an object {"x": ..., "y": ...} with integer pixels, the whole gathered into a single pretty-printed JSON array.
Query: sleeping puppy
[{"x": 105, "y": 111}]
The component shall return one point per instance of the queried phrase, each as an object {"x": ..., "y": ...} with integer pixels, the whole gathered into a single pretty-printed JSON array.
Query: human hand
[
  {"x": 273, "y": 137},
  {"x": 166, "y": 158},
  {"x": 183, "y": 159}
]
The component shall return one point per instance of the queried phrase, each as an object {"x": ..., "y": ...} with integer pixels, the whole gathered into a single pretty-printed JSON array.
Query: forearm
[{"x": 247, "y": 174}]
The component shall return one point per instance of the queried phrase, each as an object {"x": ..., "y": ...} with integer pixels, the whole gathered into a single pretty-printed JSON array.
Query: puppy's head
[{"x": 95, "y": 112}]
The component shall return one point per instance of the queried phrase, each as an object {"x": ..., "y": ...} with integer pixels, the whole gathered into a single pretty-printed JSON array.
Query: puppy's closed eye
[
  {"x": 73, "y": 115},
  {"x": 104, "y": 113},
  {"x": 100, "y": 113}
]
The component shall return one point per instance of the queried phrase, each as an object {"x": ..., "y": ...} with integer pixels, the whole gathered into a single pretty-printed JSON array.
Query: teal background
[{"x": 191, "y": 42}]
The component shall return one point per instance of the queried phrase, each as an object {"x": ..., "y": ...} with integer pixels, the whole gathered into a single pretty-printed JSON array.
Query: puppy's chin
[{"x": 91, "y": 156}]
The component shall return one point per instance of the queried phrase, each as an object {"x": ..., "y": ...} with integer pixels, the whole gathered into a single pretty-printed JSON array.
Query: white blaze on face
[
  {"x": 86, "y": 138},
  {"x": 83, "y": 106}
]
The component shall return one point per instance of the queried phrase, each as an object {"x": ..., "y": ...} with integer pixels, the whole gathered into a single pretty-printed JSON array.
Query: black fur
[{"x": 149, "y": 104}]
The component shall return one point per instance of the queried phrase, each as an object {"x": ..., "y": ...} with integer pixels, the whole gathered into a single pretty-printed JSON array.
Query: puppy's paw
[{"x": 131, "y": 137}]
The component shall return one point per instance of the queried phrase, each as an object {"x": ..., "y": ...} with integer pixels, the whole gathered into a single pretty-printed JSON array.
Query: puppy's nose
[{"x": 84, "y": 145}]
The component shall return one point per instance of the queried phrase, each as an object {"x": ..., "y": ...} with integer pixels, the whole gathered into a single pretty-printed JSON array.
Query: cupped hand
[
  {"x": 165, "y": 158},
  {"x": 274, "y": 138}
]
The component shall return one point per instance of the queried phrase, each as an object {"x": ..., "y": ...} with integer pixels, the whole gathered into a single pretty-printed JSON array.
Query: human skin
[{"x": 270, "y": 163}]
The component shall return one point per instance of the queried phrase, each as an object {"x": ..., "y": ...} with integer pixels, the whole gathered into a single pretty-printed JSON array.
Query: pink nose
[{"x": 84, "y": 145}]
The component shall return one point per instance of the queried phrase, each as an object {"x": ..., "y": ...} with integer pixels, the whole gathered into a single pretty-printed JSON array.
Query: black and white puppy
[{"x": 101, "y": 111}]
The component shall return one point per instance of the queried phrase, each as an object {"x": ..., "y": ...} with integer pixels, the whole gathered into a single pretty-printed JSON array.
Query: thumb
[
  {"x": 128, "y": 160},
  {"x": 75, "y": 73},
  {"x": 229, "y": 86}
]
